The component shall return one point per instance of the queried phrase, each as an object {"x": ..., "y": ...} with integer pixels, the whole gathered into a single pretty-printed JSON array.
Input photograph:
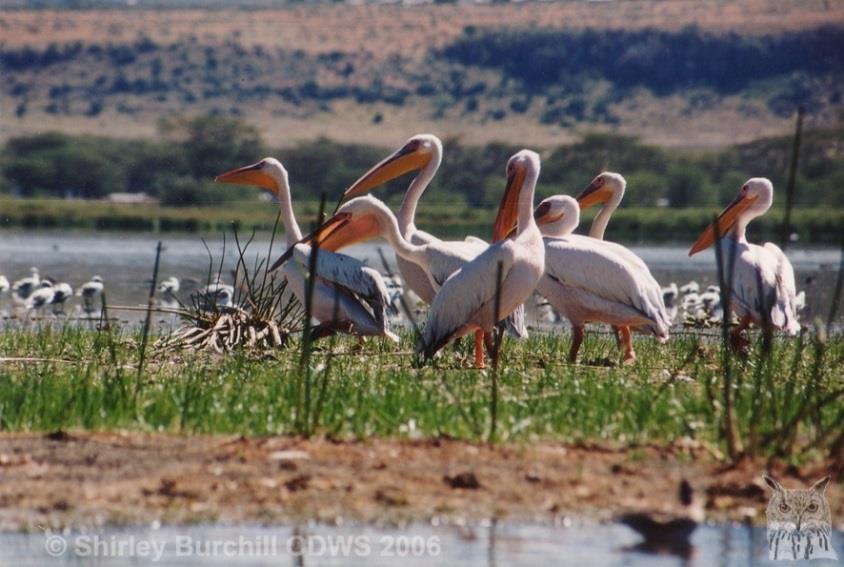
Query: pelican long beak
[
  {"x": 398, "y": 163},
  {"x": 339, "y": 231},
  {"x": 508, "y": 210},
  {"x": 320, "y": 235},
  {"x": 249, "y": 175},
  {"x": 542, "y": 214},
  {"x": 724, "y": 223},
  {"x": 595, "y": 193}
]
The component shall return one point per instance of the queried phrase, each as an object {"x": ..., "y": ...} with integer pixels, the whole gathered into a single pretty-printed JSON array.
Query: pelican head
[
  {"x": 522, "y": 171},
  {"x": 357, "y": 220},
  {"x": 268, "y": 174},
  {"x": 415, "y": 154},
  {"x": 98, "y": 279},
  {"x": 557, "y": 216},
  {"x": 607, "y": 187},
  {"x": 754, "y": 198}
]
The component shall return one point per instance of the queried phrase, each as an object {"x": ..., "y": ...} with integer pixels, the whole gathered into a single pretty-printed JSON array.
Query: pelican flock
[{"x": 585, "y": 279}]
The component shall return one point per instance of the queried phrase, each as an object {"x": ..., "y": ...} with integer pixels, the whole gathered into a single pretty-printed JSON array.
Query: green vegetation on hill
[{"x": 180, "y": 167}]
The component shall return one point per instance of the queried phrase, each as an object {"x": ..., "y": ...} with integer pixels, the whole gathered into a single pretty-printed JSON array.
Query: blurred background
[{"x": 117, "y": 115}]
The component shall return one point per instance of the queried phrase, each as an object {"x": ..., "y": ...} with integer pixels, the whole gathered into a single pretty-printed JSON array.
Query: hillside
[{"x": 528, "y": 74}]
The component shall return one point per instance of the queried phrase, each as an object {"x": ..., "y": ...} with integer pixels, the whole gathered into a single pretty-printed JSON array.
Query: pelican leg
[
  {"x": 479, "y": 349},
  {"x": 738, "y": 341},
  {"x": 627, "y": 342},
  {"x": 576, "y": 340},
  {"x": 616, "y": 331}
]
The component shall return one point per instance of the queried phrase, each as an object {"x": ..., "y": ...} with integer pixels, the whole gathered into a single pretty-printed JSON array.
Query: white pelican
[
  {"x": 90, "y": 291},
  {"x": 757, "y": 269},
  {"x": 423, "y": 152},
  {"x": 348, "y": 296},
  {"x": 4, "y": 284},
  {"x": 588, "y": 280},
  {"x": 466, "y": 302},
  {"x": 607, "y": 189},
  {"x": 23, "y": 287}
]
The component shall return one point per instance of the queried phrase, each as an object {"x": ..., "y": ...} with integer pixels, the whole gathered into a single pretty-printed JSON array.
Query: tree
[{"x": 213, "y": 144}]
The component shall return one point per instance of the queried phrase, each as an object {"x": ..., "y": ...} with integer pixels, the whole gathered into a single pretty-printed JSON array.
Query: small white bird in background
[
  {"x": 689, "y": 288},
  {"x": 215, "y": 296},
  {"x": 61, "y": 293},
  {"x": 169, "y": 286},
  {"x": 23, "y": 288},
  {"x": 800, "y": 302},
  {"x": 4, "y": 284},
  {"x": 90, "y": 291},
  {"x": 41, "y": 297},
  {"x": 670, "y": 295}
]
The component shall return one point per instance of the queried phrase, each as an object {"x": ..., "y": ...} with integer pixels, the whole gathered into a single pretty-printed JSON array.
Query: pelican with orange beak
[
  {"x": 467, "y": 300},
  {"x": 588, "y": 280},
  {"x": 763, "y": 287},
  {"x": 607, "y": 190},
  {"x": 422, "y": 152},
  {"x": 348, "y": 295}
]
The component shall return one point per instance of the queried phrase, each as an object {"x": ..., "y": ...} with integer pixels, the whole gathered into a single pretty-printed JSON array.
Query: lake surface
[
  {"x": 488, "y": 545},
  {"x": 125, "y": 261}
]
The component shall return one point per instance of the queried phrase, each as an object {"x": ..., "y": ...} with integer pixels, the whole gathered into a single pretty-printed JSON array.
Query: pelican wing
[
  {"x": 604, "y": 279},
  {"x": 349, "y": 274},
  {"x": 445, "y": 258},
  {"x": 763, "y": 284},
  {"x": 784, "y": 310},
  {"x": 464, "y": 295}
]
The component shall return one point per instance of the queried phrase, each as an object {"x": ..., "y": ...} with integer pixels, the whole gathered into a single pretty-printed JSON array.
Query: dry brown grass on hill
[
  {"x": 386, "y": 30},
  {"x": 385, "y": 45}
]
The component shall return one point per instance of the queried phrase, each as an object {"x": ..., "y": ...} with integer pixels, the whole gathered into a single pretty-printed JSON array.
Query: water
[
  {"x": 488, "y": 544},
  {"x": 125, "y": 262}
]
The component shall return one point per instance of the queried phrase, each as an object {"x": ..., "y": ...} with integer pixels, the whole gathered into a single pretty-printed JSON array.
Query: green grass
[
  {"x": 87, "y": 379},
  {"x": 813, "y": 225}
]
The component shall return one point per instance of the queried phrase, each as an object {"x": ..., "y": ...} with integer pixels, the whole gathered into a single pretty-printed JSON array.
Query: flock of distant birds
[
  {"x": 36, "y": 294},
  {"x": 470, "y": 284},
  {"x": 686, "y": 304}
]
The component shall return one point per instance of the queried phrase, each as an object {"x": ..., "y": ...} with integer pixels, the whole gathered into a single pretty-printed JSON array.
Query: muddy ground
[{"x": 83, "y": 479}]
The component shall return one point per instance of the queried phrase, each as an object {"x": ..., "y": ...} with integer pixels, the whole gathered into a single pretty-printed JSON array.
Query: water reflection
[{"x": 488, "y": 544}]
